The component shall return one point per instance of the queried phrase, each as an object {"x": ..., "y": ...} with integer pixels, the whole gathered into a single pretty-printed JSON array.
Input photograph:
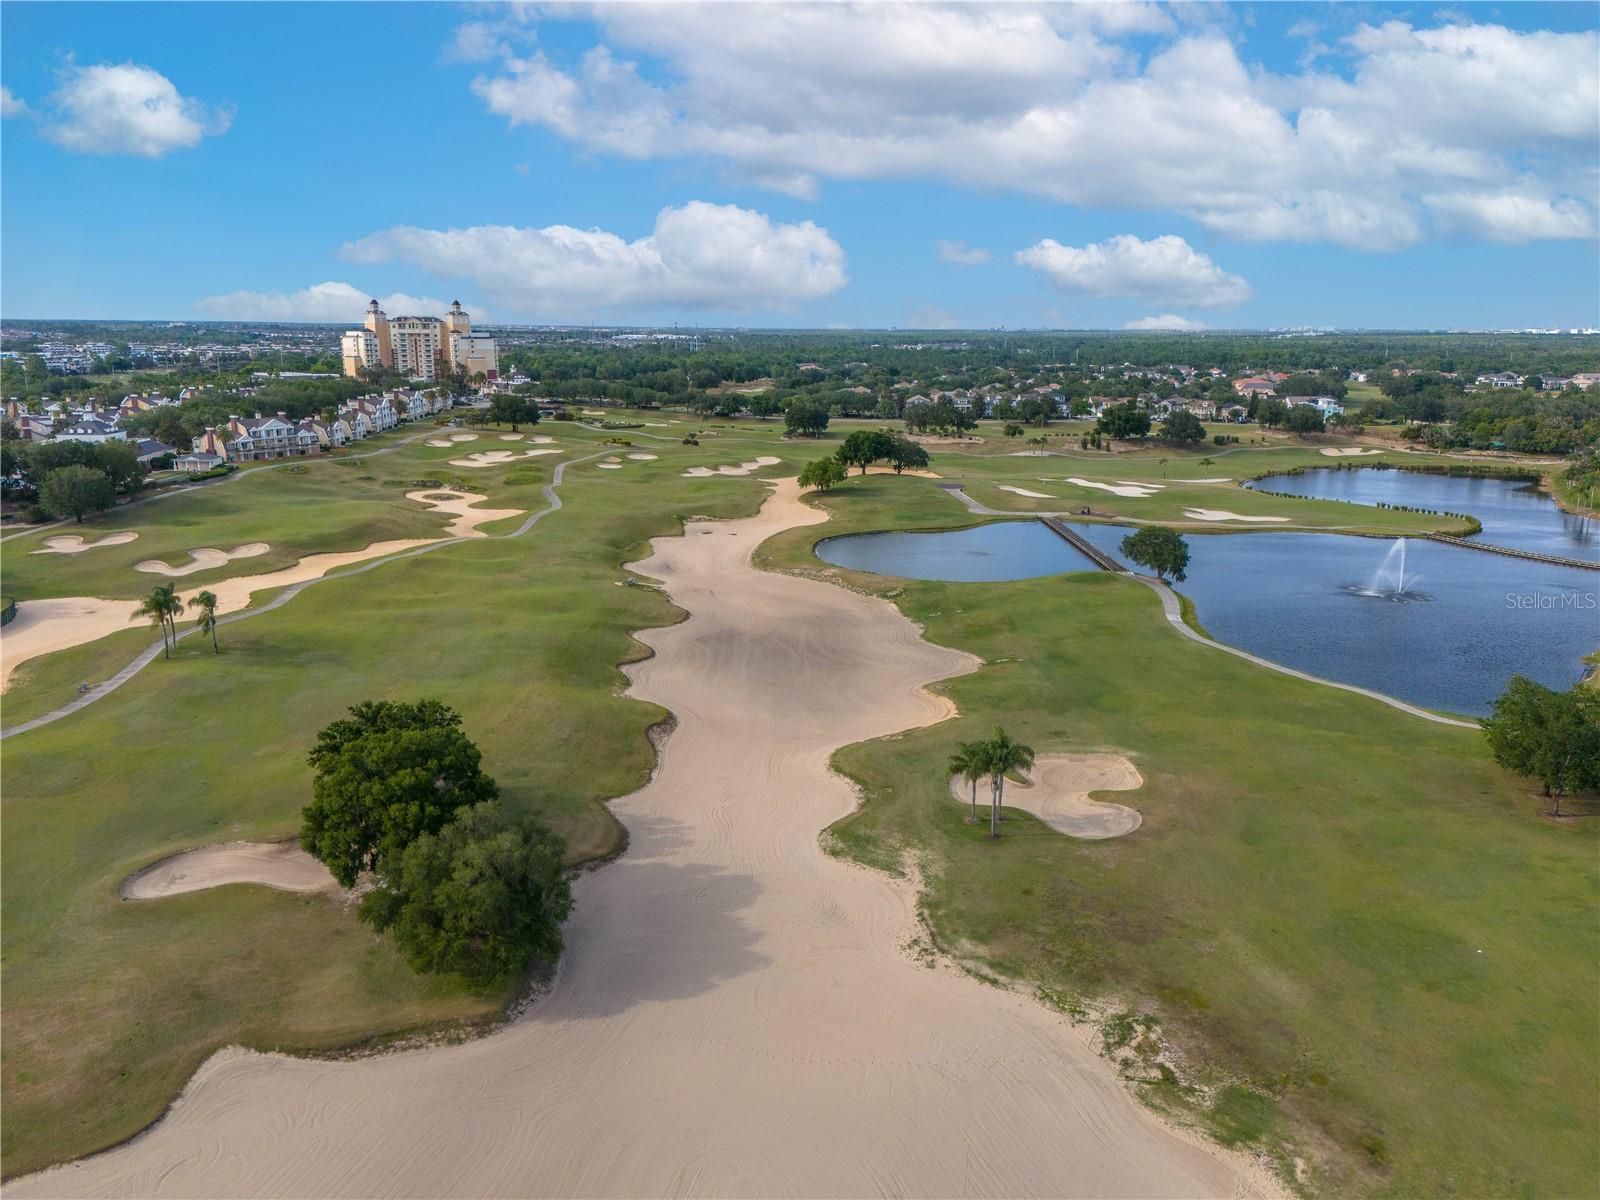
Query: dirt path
[{"x": 735, "y": 1014}]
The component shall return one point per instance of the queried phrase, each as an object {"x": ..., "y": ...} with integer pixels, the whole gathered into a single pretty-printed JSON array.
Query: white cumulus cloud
[
  {"x": 961, "y": 254},
  {"x": 1166, "y": 322},
  {"x": 698, "y": 256},
  {"x": 11, "y": 105},
  {"x": 125, "y": 108},
  {"x": 1164, "y": 269},
  {"x": 330, "y": 302},
  {"x": 1060, "y": 101}
]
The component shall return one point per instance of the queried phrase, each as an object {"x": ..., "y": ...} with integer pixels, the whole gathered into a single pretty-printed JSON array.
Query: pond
[
  {"x": 1446, "y": 630},
  {"x": 1512, "y": 513}
]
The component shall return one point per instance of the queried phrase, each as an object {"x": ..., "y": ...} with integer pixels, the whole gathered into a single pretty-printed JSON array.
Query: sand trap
[
  {"x": 281, "y": 865},
  {"x": 467, "y": 518},
  {"x": 1057, "y": 792},
  {"x": 463, "y": 437},
  {"x": 1006, "y": 487},
  {"x": 204, "y": 559},
  {"x": 1222, "y": 514},
  {"x": 613, "y": 459},
  {"x": 744, "y": 468},
  {"x": 593, "y": 412},
  {"x": 644, "y": 457},
  {"x": 609, "y": 466},
  {"x": 442, "y": 443},
  {"x": 45, "y": 626},
  {"x": 73, "y": 544},
  {"x": 1221, "y": 480},
  {"x": 1139, "y": 491},
  {"x": 919, "y": 472},
  {"x": 496, "y": 458},
  {"x": 1027, "y": 454},
  {"x": 735, "y": 1009},
  {"x": 660, "y": 424},
  {"x": 1347, "y": 452}
]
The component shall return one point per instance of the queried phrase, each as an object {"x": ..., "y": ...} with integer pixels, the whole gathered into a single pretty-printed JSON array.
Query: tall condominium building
[{"x": 414, "y": 346}]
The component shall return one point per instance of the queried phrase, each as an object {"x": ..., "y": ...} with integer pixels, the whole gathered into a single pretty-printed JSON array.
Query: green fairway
[
  {"x": 1297, "y": 928},
  {"x": 1360, "y": 942}
]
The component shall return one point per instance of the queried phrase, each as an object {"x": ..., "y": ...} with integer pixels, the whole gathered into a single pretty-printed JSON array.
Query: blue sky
[{"x": 1246, "y": 166}]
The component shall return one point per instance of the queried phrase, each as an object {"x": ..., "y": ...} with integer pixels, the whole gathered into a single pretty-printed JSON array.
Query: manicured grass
[
  {"x": 1358, "y": 939},
  {"x": 111, "y": 1005}
]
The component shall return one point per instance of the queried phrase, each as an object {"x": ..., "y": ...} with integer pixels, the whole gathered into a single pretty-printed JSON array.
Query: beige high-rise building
[{"x": 413, "y": 345}]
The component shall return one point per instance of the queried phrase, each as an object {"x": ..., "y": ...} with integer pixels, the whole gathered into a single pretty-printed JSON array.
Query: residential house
[
  {"x": 148, "y": 450},
  {"x": 91, "y": 429},
  {"x": 1204, "y": 409},
  {"x": 257, "y": 438},
  {"x": 1255, "y": 385},
  {"x": 1501, "y": 379}
]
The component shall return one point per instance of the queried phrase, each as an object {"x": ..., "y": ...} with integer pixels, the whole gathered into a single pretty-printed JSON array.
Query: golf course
[{"x": 1334, "y": 950}]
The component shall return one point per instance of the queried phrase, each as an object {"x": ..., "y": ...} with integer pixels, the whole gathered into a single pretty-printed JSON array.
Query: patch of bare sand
[
  {"x": 1057, "y": 792},
  {"x": 1133, "y": 490},
  {"x": 1347, "y": 451},
  {"x": 919, "y": 472},
  {"x": 281, "y": 865},
  {"x": 1222, "y": 514},
  {"x": 496, "y": 458},
  {"x": 641, "y": 457},
  {"x": 467, "y": 518},
  {"x": 744, "y": 468},
  {"x": 1006, "y": 487},
  {"x": 45, "y": 626},
  {"x": 735, "y": 1014},
  {"x": 204, "y": 559},
  {"x": 72, "y": 543}
]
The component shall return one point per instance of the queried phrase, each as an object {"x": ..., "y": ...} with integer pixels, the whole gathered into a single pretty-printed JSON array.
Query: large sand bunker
[
  {"x": 467, "y": 518},
  {"x": 204, "y": 559},
  {"x": 45, "y": 626},
  {"x": 1222, "y": 514},
  {"x": 1347, "y": 451},
  {"x": 744, "y": 468},
  {"x": 734, "y": 1014},
  {"x": 71, "y": 543},
  {"x": 1125, "y": 488},
  {"x": 1057, "y": 792},
  {"x": 281, "y": 865},
  {"x": 1208, "y": 479},
  {"x": 641, "y": 457},
  {"x": 1006, "y": 487},
  {"x": 497, "y": 458}
]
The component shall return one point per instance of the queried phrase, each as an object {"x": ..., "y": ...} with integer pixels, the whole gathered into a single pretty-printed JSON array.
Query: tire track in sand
[{"x": 734, "y": 1015}]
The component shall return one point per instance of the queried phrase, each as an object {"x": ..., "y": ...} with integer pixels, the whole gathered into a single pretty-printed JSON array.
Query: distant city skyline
[{"x": 917, "y": 167}]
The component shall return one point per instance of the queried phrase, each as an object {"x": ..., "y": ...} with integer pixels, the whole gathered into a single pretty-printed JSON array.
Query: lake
[
  {"x": 1512, "y": 513},
  {"x": 1473, "y": 620}
]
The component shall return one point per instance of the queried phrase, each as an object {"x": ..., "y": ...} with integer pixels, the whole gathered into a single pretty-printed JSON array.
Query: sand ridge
[
  {"x": 280, "y": 865},
  {"x": 72, "y": 543},
  {"x": 1006, "y": 487},
  {"x": 734, "y": 1014},
  {"x": 1057, "y": 792},
  {"x": 204, "y": 559}
]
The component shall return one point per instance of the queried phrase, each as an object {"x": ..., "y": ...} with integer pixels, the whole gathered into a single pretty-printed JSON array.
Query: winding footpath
[{"x": 735, "y": 1014}]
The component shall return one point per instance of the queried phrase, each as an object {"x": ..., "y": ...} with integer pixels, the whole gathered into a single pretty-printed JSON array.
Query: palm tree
[
  {"x": 154, "y": 608},
  {"x": 206, "y": 602},
  {"x": 166, "y": 599},
  {"x": 971, "y": 762},
  {"x": 1003, "y": 755}
]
